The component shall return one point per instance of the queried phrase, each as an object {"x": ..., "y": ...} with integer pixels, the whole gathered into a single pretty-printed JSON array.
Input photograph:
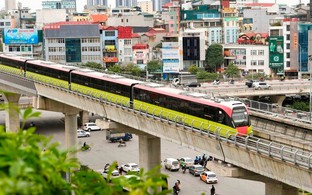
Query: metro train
[{"x": 190, "y": 108}]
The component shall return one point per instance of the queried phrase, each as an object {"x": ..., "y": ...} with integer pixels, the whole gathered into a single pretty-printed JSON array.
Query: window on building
[
  {"x": 288, "y": 46},
  {"x": 261, "y": 62},
  {"x": 127, "y": 42},
  {"x": 109, "y": 42},
  {"x": 109, "y": 33},
  {"x": 254, "y": 62},
  {"x": 253, "y": 52},
  {"x": 260, "y": 52},
  {"x": 287, "y": 37},
  {"x": 139, "y": 61},
  {"x": 287, "y": 55},
  {"x": 128, "y": 51},
  {"x": 287, "y": 27},
  {"x": 288, "y": 64}
]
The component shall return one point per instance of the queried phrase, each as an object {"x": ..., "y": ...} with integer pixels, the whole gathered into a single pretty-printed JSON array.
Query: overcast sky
[{"x": 36, "y": 4}]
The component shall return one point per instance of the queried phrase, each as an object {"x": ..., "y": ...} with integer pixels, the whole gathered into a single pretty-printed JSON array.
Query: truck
[
  {"x": 115, "y": 136},
  {"x": 186, "y": 80}
]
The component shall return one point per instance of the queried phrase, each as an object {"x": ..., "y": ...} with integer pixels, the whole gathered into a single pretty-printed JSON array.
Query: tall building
[
  {"x": 126, "y": 3},
  {"x": 96, "y": 2},
  {"x": 10, "y": 5},
  {"x": 69, "y": 5}
]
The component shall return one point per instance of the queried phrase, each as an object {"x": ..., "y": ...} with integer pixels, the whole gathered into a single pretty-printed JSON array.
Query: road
[{"x": 102, "y": 152}]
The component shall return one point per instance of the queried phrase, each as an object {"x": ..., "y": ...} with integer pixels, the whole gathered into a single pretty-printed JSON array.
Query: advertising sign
[
  {"x": 170, "y": 66},
  {"x": 276, "y": 52},
  {"x": 20, "y": 36},
  {"x": 170, "y": 54},
  {"x": 170, "y": 45}
]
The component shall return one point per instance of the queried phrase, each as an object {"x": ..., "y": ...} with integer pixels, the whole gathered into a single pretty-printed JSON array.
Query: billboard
[
  {"x": 171, "y": 66},
  {"x": 276, "y": 52},
  {"x": 20, "y": 36},
  {"x": 170, "y": 54}
]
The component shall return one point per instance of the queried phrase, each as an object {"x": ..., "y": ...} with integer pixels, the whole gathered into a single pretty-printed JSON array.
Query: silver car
[
  {"x": 261, "y": 85},
  {"x": 82, "y": 133}
]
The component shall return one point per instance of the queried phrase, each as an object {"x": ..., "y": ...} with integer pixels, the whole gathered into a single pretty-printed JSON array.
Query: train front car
[{"x": 240, "y": 117}]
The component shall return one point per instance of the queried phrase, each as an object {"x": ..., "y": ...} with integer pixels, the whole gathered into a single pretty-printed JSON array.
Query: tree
[
  {"x": 132, "y": 69},
  {"x": 31, "y": 164},
  {"x": 93, "y": 65},
  {"x": 153, "y": 66},
  {"x": 231, "y": 71},
  {"x": 116, "y": 68},
  {"x": 193, "y": 69},
  {"x": 214, "y": 57}
]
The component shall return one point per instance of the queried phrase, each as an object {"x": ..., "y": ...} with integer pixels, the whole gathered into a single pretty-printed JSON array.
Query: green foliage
[
  {"x": 298, "y": 105},
  {"x": 93, "y": 65},
  {"x": 30, "y": 164},
  {"x": 193, "y": 69},
  {"x": 256, "y": 76},
  {"x": 153, "y": 66},
  {"x": 231, "y": 71},
  {"x": 116, "y": 68},
  {"x": 206, "y": 76},
  {"x": 132, "y": 69},
  {"x": 214, "y": 57}
]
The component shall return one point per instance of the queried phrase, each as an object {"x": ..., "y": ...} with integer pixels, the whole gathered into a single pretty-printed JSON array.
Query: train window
[{"x": 240, "y": 116}]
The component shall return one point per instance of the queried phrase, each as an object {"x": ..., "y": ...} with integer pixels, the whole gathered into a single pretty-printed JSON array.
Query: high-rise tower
[{"x": 10, "y": 5}]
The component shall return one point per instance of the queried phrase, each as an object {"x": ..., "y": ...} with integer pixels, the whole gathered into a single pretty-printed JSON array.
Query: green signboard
[{"x": 276, "y": 49}]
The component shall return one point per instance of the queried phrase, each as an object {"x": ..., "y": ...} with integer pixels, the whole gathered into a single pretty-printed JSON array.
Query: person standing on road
[{"x": 212, "y": 190}]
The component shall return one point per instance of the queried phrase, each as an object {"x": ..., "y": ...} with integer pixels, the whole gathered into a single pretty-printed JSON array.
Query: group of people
[
  {"x": 115, "y": 164},
  {"x": 202, "y": 160}
]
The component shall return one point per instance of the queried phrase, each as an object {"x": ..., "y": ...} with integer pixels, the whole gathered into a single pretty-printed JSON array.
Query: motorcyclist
[{"x": 177, "y": 187}]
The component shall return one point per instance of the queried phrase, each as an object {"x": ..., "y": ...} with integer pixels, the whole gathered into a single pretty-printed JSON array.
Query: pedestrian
[
  {"x": 120, "y": 170},
  {"x": 212, "y": 190}
]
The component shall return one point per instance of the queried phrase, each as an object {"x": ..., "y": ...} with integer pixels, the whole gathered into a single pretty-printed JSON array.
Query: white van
[{"x": 172, "y": 164}]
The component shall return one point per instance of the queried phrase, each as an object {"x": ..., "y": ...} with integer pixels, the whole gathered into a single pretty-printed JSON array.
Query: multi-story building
[
  {"x": 171, "y": 56},
  {"x": 125, "y": 44},
  {"x": 96, "y": 3},
  {"x": 73, "y": 42},
  {"x": 6, "y": 23},
  {"x": 126, "y": 3},
  {"x": 230, "y": 25},
  {"x": 69, "y": 5},
  {"x": 249, "y": 59},
  {"x": 130, "y": 20},
  {"x": 141, "y": 55},
  {"x": 146, "y": 6},
  {"x": 24, "y": 42},
  {"x": 110, "y": 46},
  {"x": 170, "y": 15},
  {"x": 10, "y": 5},
  {"x": 23, "y": 17},
  {"x": 43, "y": 16}
]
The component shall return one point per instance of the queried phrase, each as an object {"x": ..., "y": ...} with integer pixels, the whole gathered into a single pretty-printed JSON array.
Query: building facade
[
  {"x": 10, "y": 5},
  {"x": 69, "y": 5},
  {"x": 96, "y": 2},
  {"x": 73, "y": 43},
  {"x": 110, "y": 46}
]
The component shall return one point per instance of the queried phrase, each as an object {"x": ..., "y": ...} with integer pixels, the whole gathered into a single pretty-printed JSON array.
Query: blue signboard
[{"x": 20, "y": 36}]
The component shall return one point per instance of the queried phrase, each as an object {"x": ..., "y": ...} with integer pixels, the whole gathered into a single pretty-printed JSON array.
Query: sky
[{"x": 36, "y": 4}]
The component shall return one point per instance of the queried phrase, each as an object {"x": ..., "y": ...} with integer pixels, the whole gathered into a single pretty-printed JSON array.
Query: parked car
[
  {"x": 193, "y": 84},
  {"x": 196, "y": 170},
  {"x": 133, "y": 167},
  {"x": 82, "y": 133},
  {"x": 208, "y": 177},
  {"x": 187, "y": 161},
  {"x": 261, "y": 85},
  {"x": 114, "y": 174},
  {"x": 172, "y": 164},
  {"x": 91, "y": 127}
]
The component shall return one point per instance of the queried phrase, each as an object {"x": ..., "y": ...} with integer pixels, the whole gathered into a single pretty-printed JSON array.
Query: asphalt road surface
[{"x": 102, "y": 152}]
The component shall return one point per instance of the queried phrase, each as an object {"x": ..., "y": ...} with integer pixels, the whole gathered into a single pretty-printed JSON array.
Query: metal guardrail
[
  {"x": 264, "y": 147},
  {"x": 275, "y": 110}
]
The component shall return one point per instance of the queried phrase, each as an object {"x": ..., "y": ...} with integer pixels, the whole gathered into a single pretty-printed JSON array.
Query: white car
[
  {"x": 133, "y": 167},
  {"x": 208, "y": 177},
  {"x": 261, "y": 85},
  {"x": 187, "y": 161},
  {"x": 82, "y": 133},
  {"x": 91, "y": 127}
]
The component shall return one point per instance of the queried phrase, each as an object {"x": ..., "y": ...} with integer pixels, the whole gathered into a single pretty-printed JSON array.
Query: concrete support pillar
[
  {"x": 278, "y": 99},
  {"x": 12, "y": 120},
  {"x": 149, "y": 151},
  {"x": 84, "y": 117},
  {"x": 71, "y": 129},
  {"x": 278, "y": 188}
]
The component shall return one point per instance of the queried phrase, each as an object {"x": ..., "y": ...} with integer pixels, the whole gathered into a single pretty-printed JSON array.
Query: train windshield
[{"x": 240, "y": 116}]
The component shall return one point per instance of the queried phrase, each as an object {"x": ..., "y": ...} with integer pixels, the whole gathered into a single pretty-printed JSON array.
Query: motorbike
[{"x": 216, "y": 82}]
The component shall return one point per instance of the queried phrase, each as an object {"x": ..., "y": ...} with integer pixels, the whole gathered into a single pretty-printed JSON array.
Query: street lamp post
[{"x": 310, "y": 80}]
